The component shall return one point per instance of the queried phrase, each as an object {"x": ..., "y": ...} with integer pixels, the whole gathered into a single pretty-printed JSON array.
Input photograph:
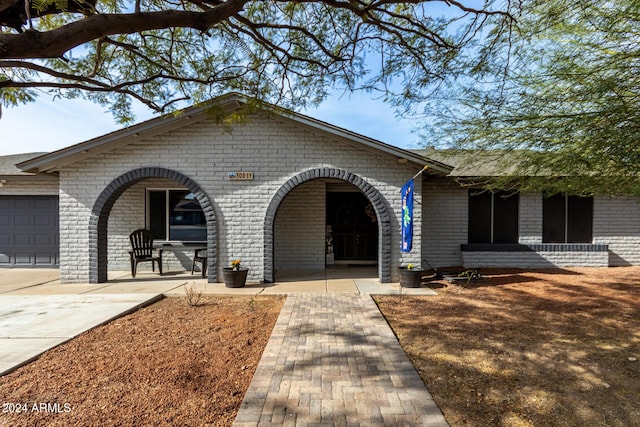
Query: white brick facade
[
  {"x": 273, "y": 150},
  {"x": 300, "y": 228},
  {"x": 616, "y": 224},
  {"x": 530, "y": 223},
  {"x": 537, "y": 259},
  {"x": 277, "y": 220},
  {"x": 29, "y": 188},
  {"x": 444, "y": 209}
]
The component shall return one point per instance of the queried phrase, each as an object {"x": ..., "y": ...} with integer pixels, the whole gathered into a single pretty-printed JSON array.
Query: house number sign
[{"x": 240, "y": 176}]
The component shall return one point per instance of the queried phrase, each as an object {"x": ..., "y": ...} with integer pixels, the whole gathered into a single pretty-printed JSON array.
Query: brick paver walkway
[{"x": 332, "y": 360}]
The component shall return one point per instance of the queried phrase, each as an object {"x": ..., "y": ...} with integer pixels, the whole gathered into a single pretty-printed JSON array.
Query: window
[
  {"x": 567, "y": 219},
  {"x": 493, "y": 217},
  {"x": 175, "y": 215}
]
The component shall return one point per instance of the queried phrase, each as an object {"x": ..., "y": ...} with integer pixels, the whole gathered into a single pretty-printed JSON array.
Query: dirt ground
[
  {"x": 555, "y": 348},
  {"x": 168, "y": 364}
]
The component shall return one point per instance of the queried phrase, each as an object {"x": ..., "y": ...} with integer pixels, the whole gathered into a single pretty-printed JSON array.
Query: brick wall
[
  {"x": 538, "y": 259},
  {"x": 29, "y": 188},
  {"x": 299, "y": 235},
  {"x": 616, "y": 222},
  {"x": 277, "y": 150},
  {"x": 530, "y": 213},
  {"x": 274, "y": 150},
  {"x": 74, "y": 238},
  {"x": 445, "y": 219}
]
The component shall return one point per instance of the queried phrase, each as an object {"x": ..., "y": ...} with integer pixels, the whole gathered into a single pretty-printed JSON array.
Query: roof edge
[
  {"x": 229, "y": 102},
  {"x": 51, "y": 161},
  {"x": 398, "y": 152}
]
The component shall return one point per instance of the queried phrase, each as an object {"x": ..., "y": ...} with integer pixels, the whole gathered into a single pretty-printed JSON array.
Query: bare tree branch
[
  {"x": 277, "y": 50},
  {"x": 57, "y": 42}
]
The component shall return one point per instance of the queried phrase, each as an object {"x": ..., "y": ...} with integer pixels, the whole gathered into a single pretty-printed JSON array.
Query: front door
[{"x": 353, "y": 227}]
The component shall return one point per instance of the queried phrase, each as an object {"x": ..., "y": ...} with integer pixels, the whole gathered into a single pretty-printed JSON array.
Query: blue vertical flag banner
[{"x": 407, "y": 216}]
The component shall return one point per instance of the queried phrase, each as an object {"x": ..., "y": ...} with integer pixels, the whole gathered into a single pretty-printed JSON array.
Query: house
[
  {"x": 281, "y": 190},
  {"x": 525, "y": 230}
]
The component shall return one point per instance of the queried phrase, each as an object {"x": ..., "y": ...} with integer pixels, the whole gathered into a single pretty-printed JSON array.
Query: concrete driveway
[
  {"x": 33, "y": 320},
  {"x": 13, "y": 279}
]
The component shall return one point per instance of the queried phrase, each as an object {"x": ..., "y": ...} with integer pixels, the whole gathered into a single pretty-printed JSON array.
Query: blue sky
[{"x": 47, "y": 125}]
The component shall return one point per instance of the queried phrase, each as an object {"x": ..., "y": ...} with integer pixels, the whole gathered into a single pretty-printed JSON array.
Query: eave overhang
[{"x": 53, "y": 162}]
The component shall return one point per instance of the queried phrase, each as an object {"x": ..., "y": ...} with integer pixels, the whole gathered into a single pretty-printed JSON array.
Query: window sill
[
  {"x": 535, "y": 247},
  {"x": 179, "y": 242}
]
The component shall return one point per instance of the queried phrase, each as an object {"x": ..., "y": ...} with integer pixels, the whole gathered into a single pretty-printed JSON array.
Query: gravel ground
[
  {"x": 168, "y": 364},
  {"x": 518, "y": 348}
]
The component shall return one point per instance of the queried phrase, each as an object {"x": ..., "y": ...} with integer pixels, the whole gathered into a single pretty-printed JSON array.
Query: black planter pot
[
  {"x": 411, "y": 278},
  {"x": 235, "y": 278}
]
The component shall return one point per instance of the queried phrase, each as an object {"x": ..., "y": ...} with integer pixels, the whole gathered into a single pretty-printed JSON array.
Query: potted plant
[
  {"x": 235, "y": 276},
  {"x": 410, "y": 276}
]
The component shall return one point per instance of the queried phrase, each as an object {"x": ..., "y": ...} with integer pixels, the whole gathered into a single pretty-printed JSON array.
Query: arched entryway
[
  {"x": 98, "y": 222},
  {"x": 376, "y": 199}
]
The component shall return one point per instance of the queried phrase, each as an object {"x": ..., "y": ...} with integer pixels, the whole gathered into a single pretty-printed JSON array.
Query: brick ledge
[{"x": 535, "y": 247}]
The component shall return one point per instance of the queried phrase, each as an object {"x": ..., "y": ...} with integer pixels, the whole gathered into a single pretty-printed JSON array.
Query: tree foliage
[
  {"x": 292, "y": 53},
  {"x": 568, "y": 105}
]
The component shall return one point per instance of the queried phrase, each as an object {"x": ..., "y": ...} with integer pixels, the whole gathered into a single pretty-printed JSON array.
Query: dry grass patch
[{"x": 557, "y": 347}]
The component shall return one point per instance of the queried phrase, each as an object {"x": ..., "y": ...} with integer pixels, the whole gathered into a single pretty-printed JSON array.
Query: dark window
[
  {"x": 176, "y": 214},
  {"x": 480, "y": 217},
  {"x": 493, "y": 217},
  {"x": 157, "y": 221},
  {"x": 567, "y": 219},
  {"x": 580, "y": 219}
]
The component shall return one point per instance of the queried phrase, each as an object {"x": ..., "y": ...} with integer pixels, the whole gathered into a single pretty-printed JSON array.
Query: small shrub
[{"x": 194, "y": 297}]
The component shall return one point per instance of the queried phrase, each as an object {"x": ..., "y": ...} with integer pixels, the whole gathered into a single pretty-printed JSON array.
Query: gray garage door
[{"x": 28, "y": 231}]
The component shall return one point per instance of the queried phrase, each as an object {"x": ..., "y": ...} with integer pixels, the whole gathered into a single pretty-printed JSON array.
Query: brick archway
[
  {"x": 375, "y": 197},
  {"x": 102, "y": 208}
]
